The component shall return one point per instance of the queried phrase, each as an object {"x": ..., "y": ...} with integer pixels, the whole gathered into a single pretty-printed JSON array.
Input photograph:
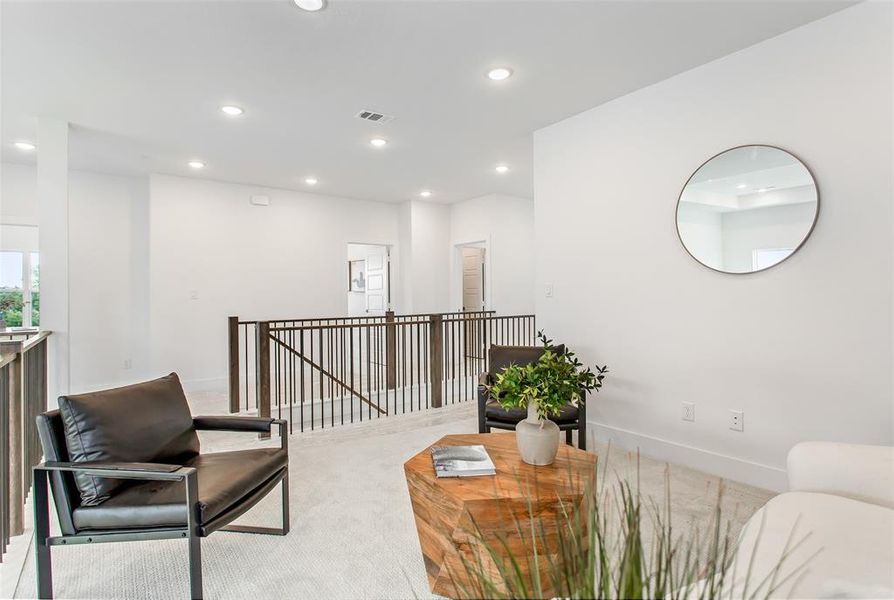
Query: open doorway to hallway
[
  {"x": 473, "y": 279},
  {"x": 472, "y": 257},
  {"x": 369, "y": 279}
]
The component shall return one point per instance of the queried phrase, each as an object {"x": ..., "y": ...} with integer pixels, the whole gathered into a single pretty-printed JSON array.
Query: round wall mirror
[{"x": 747, "y": 209}]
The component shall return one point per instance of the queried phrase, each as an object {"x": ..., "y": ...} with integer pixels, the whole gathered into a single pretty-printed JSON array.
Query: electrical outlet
[
  {"x": 737, "y": 420},
  {"x": 548, "y": 290},
  {"x": 127, "y": 363},
  {"x": 689, "y": 411}
]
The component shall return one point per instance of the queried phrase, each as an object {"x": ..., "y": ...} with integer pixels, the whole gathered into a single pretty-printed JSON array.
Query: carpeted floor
[{"x": 352, "y": 532}]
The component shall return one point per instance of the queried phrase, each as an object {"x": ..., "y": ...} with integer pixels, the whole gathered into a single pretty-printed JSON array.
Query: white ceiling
[{"x": 141, "y": 82}]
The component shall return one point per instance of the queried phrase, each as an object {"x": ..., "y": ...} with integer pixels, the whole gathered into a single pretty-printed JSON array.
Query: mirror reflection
[{"x": 747, "y": 209}]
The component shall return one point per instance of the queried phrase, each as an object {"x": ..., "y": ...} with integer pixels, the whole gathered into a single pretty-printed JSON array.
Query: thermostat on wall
[{"x": 260, "y": 200}]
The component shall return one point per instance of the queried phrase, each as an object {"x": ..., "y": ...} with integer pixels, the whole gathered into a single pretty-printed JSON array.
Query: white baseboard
[{"x": 722, "y": 465}]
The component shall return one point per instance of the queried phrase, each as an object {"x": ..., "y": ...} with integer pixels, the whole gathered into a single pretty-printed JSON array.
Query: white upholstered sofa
[{"x": 841, "y": 504}]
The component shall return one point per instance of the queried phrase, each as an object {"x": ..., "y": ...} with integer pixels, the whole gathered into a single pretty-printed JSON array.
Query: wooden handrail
[
  {"x": 491, "y": 318},
  {"x": 382, "y": 324},
  {"x": 34, "y": 340},
  {"x": 365, "y": 317},
  {"x": 6, "y": 358}
]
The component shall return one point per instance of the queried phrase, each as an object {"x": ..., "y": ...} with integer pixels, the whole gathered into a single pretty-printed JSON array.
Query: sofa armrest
[
  {"x": 231, "y": 423},
  {"x": 860, "y": 472}
]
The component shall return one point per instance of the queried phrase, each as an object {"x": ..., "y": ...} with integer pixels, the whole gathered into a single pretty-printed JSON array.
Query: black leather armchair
[
  {"x": 493, "y": 416},
  {"x": 124, "y": 465}
]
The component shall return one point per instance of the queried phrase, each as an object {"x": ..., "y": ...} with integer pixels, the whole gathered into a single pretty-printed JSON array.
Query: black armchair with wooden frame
[
  {"x": 124, "y": 465},
  {"x": 491, "y": 415}
]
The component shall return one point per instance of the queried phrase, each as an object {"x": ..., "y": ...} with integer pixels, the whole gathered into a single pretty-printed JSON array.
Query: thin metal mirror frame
[{"x": 795, "y": 251}]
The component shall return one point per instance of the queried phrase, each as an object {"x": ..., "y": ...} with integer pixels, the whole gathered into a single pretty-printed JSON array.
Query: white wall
[
  {"x": 425, "y": 229},
  {"x": 403, "y": 295},
  {"x": 140, "y": 251},
  {"x": 430, "y": 234},
  {"x": 18, "y": 194},
  {"x": 108, "y": 280},
  {"x": 284, "y": 260},
  {"x": 803, "y": 348},
  {"x": 506, "y": 225},
  {"x": 213, "y": 255},
  {"x": 108, "y": 270}
]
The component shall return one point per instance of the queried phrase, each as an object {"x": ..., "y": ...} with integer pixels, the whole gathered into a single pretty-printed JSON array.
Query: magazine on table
[{"x": 462, "y": 461}]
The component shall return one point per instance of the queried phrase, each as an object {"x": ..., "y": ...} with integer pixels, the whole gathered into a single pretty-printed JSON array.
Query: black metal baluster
[
  {"x": 291, "y": 380},
  {"x": 302, "y": 367},
  {"x": 369, "y": 385},
  {"x": 404, "y": 369},
  {"x": 351, "y": 342},
  {"x": 426, "y": 360},
  {"x": 245, "y": 341}
]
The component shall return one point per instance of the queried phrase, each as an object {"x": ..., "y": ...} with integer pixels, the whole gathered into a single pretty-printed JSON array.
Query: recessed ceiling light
[
  {"x": 231, "y": 110},
  {"x": 501, "y": 169},
  {"x": 378, "y": 142},
  {"x": 741, "y": 186},
  {"x": 25, "y": 146},
  {"x": 310, "y": 180},
  {"x": 196, "y": 164},
  {"x": 499, "y": 74},
  {"x": 310, "y": 5},
  {"x": 425, "y": 193}
]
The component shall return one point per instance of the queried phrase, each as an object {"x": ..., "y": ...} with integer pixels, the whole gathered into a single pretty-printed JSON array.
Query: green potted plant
[
  {"x": 544, "y": 388},
  {"x": 619, "y": 544}
]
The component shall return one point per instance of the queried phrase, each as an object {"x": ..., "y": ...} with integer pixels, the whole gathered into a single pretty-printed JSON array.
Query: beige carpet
[{"x": 352, "y": 533}]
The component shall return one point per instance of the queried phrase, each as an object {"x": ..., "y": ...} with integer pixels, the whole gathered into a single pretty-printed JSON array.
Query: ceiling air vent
[{"x": 374, "y": 117}]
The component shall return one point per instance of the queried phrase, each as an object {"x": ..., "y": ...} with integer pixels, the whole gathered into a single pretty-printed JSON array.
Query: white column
[{"x": 52, "y": 198}]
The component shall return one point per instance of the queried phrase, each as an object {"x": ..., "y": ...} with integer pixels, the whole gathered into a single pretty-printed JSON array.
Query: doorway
[
  {"x": 369, "y": 280},
  {"x": 472, "y": 259},
  {"x": 473, "y": 278}
]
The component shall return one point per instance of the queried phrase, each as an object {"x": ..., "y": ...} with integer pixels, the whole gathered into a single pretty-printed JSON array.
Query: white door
[
  {"x": 473, "y": 279},
  {"x": 377, "y": 287}
]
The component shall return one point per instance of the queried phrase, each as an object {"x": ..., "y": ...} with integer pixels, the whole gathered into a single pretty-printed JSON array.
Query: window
[{"x": 20, "y": 289}]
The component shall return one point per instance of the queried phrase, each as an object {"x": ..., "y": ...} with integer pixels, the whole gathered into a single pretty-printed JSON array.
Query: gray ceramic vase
[{"x": 538, "y": 440}]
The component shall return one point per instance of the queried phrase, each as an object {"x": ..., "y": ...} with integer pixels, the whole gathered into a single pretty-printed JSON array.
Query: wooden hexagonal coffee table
[{"x": 453, "y": 515}]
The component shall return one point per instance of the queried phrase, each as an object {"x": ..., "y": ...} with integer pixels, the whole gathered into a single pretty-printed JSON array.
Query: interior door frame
[
  {"x": 456, "y": 272},
  {"x": 390, "y": 267}
]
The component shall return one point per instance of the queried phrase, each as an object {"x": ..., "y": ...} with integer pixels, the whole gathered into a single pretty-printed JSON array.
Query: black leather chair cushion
[
  {"x": 503, "y": 356},
  {"x": 493, "y": 411},
  {"x": 225, "y": 478},
  {"x": 146, "y": 422}
]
